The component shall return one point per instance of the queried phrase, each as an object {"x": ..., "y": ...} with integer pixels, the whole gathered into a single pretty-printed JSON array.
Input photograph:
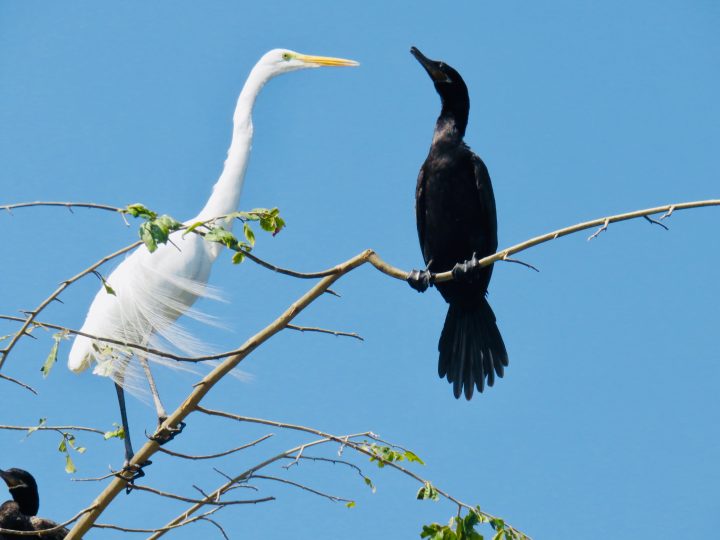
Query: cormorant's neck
[
  {"x": 449, "y": 129},
  {"x": 27, "y": 499},
  {"x": 226, "y": 191}
]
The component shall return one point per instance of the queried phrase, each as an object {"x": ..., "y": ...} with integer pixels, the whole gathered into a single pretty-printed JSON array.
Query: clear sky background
[{"x": 606, "y": 422}]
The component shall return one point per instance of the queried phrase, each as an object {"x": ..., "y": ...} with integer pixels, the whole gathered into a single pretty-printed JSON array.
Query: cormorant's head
[
  {"x": 448, "y": 82},
  {"x": 23, "y": 489}
]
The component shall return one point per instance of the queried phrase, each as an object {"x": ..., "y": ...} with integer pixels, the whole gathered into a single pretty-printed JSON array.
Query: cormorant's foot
[
  {"x": 166, "y": 435},
  {"x": 467, "y": 271},
  {"x": 420, "y": 280},
  {"x": 130, "y": 473}
]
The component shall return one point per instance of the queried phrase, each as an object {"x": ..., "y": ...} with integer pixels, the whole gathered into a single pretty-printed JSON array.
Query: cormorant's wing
[
  {"x": 420, "y": 209},
  {"x": 488, "y": 215}
]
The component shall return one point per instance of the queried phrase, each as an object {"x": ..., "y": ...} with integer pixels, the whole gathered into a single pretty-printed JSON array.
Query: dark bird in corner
[
  {"x": 20, "y": 513},
  {"x": 457, "y": 226}
]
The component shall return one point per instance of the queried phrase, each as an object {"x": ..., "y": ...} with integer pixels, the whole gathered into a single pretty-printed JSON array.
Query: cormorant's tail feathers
[{"x": 471, "y": 349}]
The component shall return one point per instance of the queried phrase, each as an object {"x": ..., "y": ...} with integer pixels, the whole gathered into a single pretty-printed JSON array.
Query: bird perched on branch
[
  {"x": 457, "y": 226},
  {"x": 20, "y": 513},
  {"x": 151, "y": 290}
]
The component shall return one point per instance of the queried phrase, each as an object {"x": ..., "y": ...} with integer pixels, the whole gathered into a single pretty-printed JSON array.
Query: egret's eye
[{"x": 286, "y": 56}]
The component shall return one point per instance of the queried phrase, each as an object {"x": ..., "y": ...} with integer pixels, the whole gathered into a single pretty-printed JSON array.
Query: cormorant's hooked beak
[
  {"x": 431, "y": 66},
  {"x": 318, "y": 61}
]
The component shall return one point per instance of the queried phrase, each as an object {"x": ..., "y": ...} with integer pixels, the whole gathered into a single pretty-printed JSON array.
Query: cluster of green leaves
[
  {"x": 385, "y": 454},
  {"x": 52, "y": 357},
  {"x": 67, "y": 442},
  {"x": 464, "y": 528},
  {"x": 156, "y": 229}
]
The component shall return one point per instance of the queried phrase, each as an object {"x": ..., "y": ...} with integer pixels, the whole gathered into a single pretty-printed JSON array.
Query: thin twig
[
  {"x": 68, "y": 205},
  {"x": 333, "y": 498},
  {"x": 324, "y": 331},
  {"x": 52, "y": 428},
  {"x": 518, "y": 261},
  {"x": 656, "y": 222},
  {"x": 196, "y": 501},
  {"x": 18, "y": 382},
  {"x": 220, "y": 454}
]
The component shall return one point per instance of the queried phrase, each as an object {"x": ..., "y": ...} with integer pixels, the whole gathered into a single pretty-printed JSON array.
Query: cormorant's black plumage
[
  {"x": 457, "y": 222},
  {"x": 20, "y": 513}
]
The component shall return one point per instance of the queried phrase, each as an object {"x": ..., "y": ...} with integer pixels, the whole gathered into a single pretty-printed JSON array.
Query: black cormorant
[
  {"x": 20, "y": 513},
  {"x": 457, "y": 225}
]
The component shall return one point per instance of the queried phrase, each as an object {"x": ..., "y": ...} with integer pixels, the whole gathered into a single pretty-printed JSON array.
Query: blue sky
[{"x": 606, "y": 421}]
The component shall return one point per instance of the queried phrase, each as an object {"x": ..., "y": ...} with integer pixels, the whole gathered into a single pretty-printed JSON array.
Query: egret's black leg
[
  {"x": 134, "y": 470},
  {"x": 420, "y": 280},
  {"x": 467, "y": 271},
  {"x": 129, "y": 453}
]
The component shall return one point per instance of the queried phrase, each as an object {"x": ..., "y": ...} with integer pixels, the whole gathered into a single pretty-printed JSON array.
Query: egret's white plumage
[{"x": 154, "y": 289}]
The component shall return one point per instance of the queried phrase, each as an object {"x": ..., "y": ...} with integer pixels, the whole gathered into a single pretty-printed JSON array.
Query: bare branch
[
  {"x": 656, "y": 222},
  {"x": 220, "y": 454},
  {"x": 324, "y": 331},
  {"x": 333, "y": 498},
  {"x": 52, "y": 428},
  {"x": 68, "y": 205},
  {"x": 18, "y": 382},
  {"x": 212, "y": 502}
]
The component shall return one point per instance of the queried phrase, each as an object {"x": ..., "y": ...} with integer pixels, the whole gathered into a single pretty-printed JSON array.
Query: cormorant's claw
[
  {"x": 166, "y": 435},
  {"x": 467, "y": 271},
  {"x": 420, "y": 280},
  {"x": 135, "y": 471}
]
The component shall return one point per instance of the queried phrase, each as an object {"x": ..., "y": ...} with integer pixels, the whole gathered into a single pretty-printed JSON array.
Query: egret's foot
[
  {"x": 163, "y": 436},
  {"x": 467, "y": 271},
  {"x": 130, "y": 473},
  {"x": 420, "y": 280}
]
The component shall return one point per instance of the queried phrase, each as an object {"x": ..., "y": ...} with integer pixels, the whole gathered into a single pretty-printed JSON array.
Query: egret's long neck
[{"x": 226, "y": 191}]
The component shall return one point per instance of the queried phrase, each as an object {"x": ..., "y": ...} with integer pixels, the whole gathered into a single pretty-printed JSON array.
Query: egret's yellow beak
[{"x": 326, "y": 60}]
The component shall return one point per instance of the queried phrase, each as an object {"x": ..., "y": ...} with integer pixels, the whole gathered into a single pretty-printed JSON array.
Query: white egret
[{"x": 153, "y": 289}]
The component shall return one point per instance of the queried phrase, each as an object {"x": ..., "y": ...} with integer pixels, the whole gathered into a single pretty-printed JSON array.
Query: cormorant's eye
[{"x": 286, "y": 56}]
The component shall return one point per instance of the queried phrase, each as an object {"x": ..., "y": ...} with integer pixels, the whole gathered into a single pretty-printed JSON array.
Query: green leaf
[
  {"x": 412, "y": 457},
  {"x": 279, "y": 225},
  {"x": 427, "y": 492},
  {"x": 350, "y": 504},
  {"x": 139, "y": 210},
  {"x": 192, "y": 227},
  {"x": 249, "y": 234},
  {"x": 221, "y": 236},
  {"x": 62, "y": 447},
  {"x": 118, "y": 432},
  {"x": 369, "y": 483},
  {"x": 238, "y": 257},
  {"x": 52, "y": 357},
  {"x": 69, "y": 465},
  {"x": 157, "y": 231},
  {"x": 108, "y": 288},
  {"x": 32, "y": 430}
]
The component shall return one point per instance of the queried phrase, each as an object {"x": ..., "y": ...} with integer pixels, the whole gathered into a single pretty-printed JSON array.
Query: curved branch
[
  {"x": 68, "y": 205},
  {"x": 219, "y": 454}
]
